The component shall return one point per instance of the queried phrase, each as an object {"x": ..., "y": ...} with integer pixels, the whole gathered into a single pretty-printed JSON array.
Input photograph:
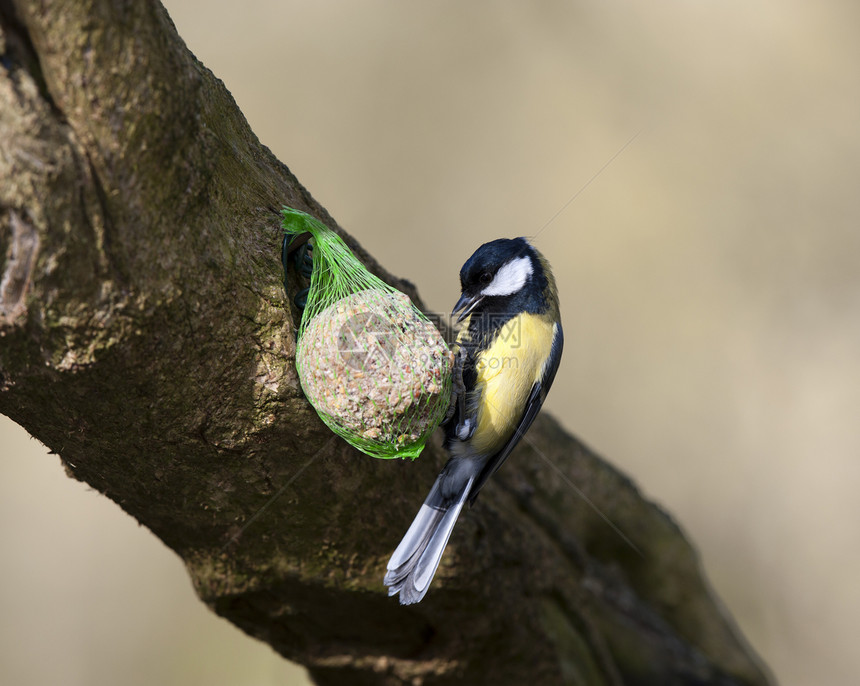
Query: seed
[{"x": 369, "y": 359}]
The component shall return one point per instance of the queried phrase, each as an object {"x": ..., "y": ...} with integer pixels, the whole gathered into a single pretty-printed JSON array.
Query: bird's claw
[
  {"x": 466, "y": 428},
  {"x": 458, "y": 389}
]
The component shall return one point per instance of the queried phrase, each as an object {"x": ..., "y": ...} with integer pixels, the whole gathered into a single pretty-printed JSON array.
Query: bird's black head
[{"x": 501, "y": 271}]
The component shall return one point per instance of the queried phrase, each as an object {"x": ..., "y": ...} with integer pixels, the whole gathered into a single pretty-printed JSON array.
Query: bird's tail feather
[{"x": 414, "y": 562}]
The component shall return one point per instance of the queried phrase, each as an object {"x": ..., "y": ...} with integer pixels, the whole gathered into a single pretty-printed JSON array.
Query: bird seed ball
[{"x": 375, "y": 367}]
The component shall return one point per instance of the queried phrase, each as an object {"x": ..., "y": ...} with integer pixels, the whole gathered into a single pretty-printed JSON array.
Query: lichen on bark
[{"x": 146, "y": 339}]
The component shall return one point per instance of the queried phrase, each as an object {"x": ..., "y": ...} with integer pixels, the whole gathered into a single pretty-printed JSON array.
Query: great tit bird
[{"x": 507, "y": 354}]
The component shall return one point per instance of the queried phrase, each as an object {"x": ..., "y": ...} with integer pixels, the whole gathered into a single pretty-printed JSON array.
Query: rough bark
[{"x": 146, "y": 339}]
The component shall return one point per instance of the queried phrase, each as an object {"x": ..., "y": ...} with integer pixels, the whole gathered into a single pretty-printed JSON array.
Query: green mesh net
[{"x": 376, "y": 370}]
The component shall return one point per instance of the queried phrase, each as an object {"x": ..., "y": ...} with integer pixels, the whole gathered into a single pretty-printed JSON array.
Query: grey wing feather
[
  {"x": 416, "y": 537},
  {"x": 416, "y": 559}
]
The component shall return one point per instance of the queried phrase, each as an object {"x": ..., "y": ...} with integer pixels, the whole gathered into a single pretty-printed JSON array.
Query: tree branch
[{"x": 147, "y": 341}]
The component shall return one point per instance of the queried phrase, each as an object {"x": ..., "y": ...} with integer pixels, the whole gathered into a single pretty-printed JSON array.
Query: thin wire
[
  {"x": 578, "y": 491},
  {"x": 546, "y": 459},
  {"x": 563, "y": 476},
  {"x": 585, "y": 498},
  {"x": 588, "y": 183},
  {"x": 277, "y": 495}
]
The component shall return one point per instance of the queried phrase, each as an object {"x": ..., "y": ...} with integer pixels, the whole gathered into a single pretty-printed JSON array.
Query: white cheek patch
[{"x": 510, "y": 278}]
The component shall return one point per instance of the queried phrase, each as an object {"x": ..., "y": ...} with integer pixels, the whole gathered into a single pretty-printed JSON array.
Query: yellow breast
[{"x": 506, "y": 373}]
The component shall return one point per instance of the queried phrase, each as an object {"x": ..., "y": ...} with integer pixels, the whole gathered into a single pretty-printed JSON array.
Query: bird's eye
[{"x": 486, "y": 277}]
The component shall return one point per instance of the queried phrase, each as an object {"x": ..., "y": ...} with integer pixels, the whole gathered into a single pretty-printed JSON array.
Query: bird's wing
[
  {"x": 530, "y": 411},
  {"x": 414, "y": 563}
]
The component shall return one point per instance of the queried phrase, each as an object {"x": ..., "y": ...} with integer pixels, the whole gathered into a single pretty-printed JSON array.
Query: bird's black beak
[{"x": 469, "y": 302}]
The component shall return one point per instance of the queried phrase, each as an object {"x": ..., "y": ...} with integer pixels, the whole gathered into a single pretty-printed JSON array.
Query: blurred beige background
[{"x": 709, "y": 276}]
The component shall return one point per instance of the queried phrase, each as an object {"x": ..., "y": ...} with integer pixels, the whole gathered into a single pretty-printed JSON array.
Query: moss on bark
[{"x": 146, "y": 339}]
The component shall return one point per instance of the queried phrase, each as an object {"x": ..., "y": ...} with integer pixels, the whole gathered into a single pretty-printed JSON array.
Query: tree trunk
[{"x": 147, "y": 340}]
